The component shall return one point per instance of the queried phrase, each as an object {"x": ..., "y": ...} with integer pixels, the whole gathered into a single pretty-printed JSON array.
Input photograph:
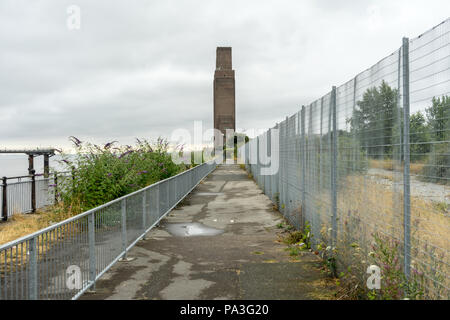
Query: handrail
[
  {"x": 78, "y": 216},
  {"x": 36, "y": 266}
]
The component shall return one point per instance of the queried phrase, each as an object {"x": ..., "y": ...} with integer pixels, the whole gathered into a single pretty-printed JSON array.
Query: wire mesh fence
[
  {"x": 372, "y": 159},
  {"x": 64, "y": 260}
]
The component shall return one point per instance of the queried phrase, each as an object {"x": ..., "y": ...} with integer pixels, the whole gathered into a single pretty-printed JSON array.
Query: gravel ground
[{"x": 427, "y": 190}]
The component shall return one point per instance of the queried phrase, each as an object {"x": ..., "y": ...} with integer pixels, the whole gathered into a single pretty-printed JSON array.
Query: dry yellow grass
[
  {"x": 381, "y": 164},
  {"x": 384, "y": 176},
  {"x": 20, "y": 225},
  {"x": 416, "y": 168},
  {"x": 366, "y": 207},
  {"x": 387, "y": 164}
]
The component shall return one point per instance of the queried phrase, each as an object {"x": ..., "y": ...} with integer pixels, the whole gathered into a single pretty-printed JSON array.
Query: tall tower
[{"x": 224, "y": 91}]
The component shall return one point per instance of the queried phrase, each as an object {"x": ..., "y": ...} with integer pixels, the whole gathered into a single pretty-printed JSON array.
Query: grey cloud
[{"x": 143, "y": 69}]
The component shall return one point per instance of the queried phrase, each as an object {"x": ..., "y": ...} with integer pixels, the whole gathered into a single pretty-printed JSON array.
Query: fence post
[
  {"x": 144, "y": 213},
  {"x": 264, "y": 156},
  {"x": 298, "y": 152},
  {"x": 286, "y": 154},
  {"x": 124, "y": 229},
  {"x": 269, "y": 177},
  {"x": 169, "y": 194},
  {"x": 92, "y": 255},
  {"x": 33, "y": 190},
  {"x": 258, "y": 166},
  {"x": 247, "y": 156},
  {"x": 276, "y": 178},
  {"x": 356, "y": 151},
  {"x": 155, "y": 199},
  {"x": 406, "y": 151},
  {"x": 316, "y": 226},
  {"x": 303, "y": 162},
  {"x": 334, "y": 168},
  {"x": 56, "y": 188},
  {"x": 311, "y": 160},
  {"x": 33, "y": 274},
  {"x": 46, "y": 165},
  {"x": 4, "y": 200},
  {"x": 30, "y": 163}
]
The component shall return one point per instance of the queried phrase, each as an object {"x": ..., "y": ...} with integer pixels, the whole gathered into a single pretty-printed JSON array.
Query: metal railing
[
  {"x": 64, "y": 260},
  {"x": 372, "y": 157},
  {"x": 26, "y": 194}
]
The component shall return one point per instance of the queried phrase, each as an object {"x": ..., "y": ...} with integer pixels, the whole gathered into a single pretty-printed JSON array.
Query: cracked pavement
[{"x": 243, "y": 260}]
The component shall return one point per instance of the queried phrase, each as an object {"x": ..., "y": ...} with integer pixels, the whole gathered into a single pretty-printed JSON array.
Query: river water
[{"x": 12, "y": 165}]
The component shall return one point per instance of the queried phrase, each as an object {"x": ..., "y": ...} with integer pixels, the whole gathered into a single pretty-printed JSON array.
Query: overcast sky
[{"x": 145, "y": 68}]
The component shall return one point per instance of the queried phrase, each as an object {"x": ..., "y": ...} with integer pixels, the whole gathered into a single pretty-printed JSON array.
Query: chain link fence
[{"x": 372, "y": 157}]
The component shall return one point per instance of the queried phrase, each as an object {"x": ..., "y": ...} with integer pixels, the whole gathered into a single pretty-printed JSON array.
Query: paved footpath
[{"x": 221, "y": 242}]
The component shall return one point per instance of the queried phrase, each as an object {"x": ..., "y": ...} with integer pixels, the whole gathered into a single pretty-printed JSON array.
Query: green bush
[
  {"x": 104, "y": 173},
  {"x": 394, "y": 283},
  {"x": 437, "y": 164},
  {"x": 351, "y": 157}
]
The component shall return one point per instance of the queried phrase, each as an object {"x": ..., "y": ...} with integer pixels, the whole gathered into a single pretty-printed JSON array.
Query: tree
[
  {"x": 419, "y": 136},
  {"x": 438, "y": 118},
  {"x": 375, "y": 119},
  {"x": 437, "y": 164}
]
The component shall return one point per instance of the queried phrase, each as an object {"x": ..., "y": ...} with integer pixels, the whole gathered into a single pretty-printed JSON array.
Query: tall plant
[{"x": 104, "y": 173}]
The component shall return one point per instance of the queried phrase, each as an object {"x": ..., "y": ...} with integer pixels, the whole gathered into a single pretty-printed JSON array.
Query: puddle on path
[{"x": 191, "y": 229}]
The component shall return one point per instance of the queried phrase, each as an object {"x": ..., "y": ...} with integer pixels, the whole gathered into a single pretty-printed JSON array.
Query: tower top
[{"x": 223, "y": 58}]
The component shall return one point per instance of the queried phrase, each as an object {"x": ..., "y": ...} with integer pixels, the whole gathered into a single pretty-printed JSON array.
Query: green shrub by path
[
  {"x": 104, "y": 173},
  {"x": 394, "y": 283},
  {"x": 302, "y": 238},
  {"x": 437, "y": 165}
]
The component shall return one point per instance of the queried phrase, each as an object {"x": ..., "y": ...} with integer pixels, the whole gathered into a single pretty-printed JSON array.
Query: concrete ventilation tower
[{"x": 224, "y": 92}]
